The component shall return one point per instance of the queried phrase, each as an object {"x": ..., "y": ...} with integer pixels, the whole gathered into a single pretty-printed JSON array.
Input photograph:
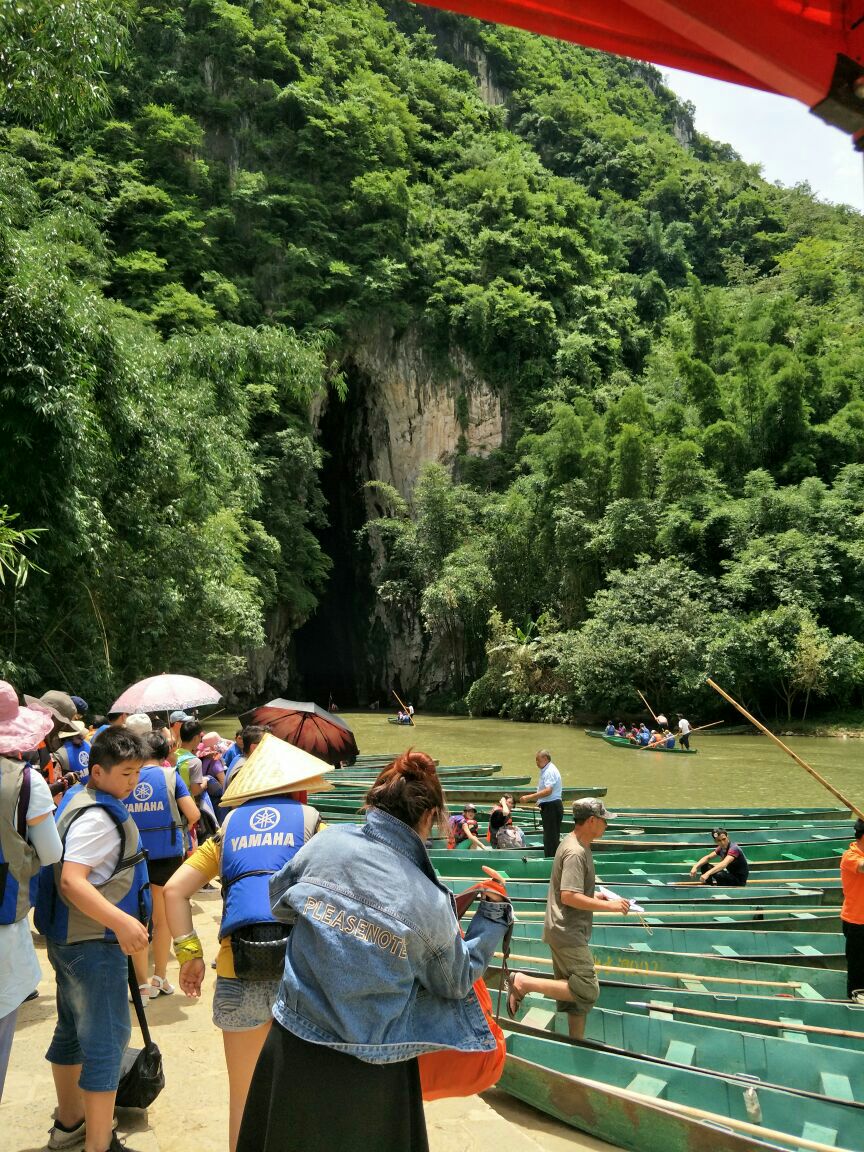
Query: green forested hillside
[{"x": 677, "y": 345}]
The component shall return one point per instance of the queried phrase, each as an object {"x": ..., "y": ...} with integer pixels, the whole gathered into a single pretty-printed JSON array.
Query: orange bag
[{"x": 451, "y": 1073}]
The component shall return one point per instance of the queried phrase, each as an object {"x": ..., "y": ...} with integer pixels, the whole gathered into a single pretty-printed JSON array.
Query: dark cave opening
[{"x": 330, "y": 648}]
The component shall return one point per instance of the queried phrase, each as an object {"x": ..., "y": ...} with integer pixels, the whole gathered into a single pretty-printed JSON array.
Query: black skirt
[{"x": 304, "y": 1097}]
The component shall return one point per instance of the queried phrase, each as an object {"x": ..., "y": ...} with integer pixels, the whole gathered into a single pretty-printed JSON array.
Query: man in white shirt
[
  {"x": 549, "y": 798},
  {"x": 683, "y": 732}
]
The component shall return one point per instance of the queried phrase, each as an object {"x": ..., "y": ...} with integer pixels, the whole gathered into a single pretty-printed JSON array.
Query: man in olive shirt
[{"x": 569, "y": 916}]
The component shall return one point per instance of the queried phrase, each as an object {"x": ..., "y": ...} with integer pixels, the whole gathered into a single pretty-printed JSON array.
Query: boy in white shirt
[{"x": 94, "y": 907}]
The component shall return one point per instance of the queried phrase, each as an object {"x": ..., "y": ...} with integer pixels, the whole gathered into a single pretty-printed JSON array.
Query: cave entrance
[{"x": 330, "y": 647}]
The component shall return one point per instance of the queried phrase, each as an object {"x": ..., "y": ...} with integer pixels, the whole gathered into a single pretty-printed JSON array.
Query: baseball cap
[
  {"x": 139, "y": 723},
  {"x": 179, "y": 717},
  {"x": 591, "y": 806},
  {"x": 80, "y": 703},
  {"x": 469, "y": 807}
]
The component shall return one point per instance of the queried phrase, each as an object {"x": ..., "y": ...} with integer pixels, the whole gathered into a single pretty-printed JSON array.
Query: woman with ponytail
[{"x": 376, "y": 974}]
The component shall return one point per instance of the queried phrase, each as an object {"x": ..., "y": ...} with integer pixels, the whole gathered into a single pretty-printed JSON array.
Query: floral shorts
[{"x": 239, "y": 1005}]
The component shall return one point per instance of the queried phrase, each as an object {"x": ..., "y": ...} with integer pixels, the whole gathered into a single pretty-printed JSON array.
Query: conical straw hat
[{"x": 276, "y": 766}]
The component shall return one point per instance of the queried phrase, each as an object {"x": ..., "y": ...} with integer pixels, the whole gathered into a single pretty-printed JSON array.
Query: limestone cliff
[{"x": 404, "y": 409}]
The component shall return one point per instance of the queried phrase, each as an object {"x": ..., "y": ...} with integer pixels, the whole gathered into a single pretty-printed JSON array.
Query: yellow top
[{"x": 208, "y": 860}]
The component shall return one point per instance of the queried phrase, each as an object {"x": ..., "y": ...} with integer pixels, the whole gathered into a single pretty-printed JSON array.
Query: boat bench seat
[
  {"x": 639, "y": 946},
  {"x": 647, "y": 1085},
  {"x": 724, "y": 950},
  {"x": 819, "y": 1133},
  {"x": 836, "y": 1085},
  {"x": 680, "y": 1052},
  {"x": 807, "y": 950}
]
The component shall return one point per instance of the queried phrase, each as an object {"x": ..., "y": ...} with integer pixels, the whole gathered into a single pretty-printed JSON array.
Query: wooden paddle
[
  {"x": 798, "y": 760},
  {"x": 404, "y": 709},
  {"x": 674, "y": 975},
  {"x": 780, "y": 1025}
]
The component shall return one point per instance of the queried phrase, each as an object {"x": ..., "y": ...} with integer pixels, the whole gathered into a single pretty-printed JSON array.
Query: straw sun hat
[
  {"x": 21, "y": 729},
  {"x": 275, "y": 767}
]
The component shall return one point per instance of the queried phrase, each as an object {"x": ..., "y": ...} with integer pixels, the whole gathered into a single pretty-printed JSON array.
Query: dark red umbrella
[{"x": 307, "y": 726}]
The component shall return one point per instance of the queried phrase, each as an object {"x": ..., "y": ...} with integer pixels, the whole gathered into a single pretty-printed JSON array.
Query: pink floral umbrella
[{"x": 166, "y": 693}]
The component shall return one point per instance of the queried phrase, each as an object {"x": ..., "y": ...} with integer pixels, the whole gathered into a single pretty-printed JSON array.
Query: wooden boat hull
[
  {"x": 661, "y": 897},
  {"x": 810, "y": 1069},
  {"x": 718, "y": 815},
  {"x": 780, "y": 919},
  {"x": 625, "y": 1101},
  {"x": 823, "y": 950},
  {"x": 702, "y": 973},
  {"x": 531, "y": 865},
  {"x": 779, "y": 1016}
]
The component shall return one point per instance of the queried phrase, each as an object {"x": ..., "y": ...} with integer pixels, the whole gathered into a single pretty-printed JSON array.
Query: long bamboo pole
[
  {"x": 743, "y": 913},
  {"x": 647, "y": 705},
  {"x": 702, "y": 727},
  {"x": 650, "y": 972},
  {"x": 402, "y": 706},
  {"x": 798, "y": 760},
  {"x": 718, "y": 1118},
  {"x": 780, "y": 1025}
]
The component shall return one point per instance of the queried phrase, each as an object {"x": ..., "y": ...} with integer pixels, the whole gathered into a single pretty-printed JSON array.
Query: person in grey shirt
[
  {"x": 570, "y": 909},
  {"x": 548, "y": 797}
]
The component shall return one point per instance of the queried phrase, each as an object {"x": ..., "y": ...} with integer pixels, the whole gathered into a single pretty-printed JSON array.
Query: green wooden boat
[
  {"x": 788, "y": 838},
  {"x": 842, "y": 1025},
  {"x": 807, "y": 853},
  {"x": 631, "y": 1102},
  {"x": 808, "y": 949},
  {"x": 809, "y": 1070},
  {"x": 703, "y": 973},
  {"x": 490, "y": 794},
  {"x": 530, "y": 864},
  {"x": 779, "y": 919},
  {"x": 718, "y": 815},
  {"x": 660, "y": 896},
  {"x": 623, "y": 742}
]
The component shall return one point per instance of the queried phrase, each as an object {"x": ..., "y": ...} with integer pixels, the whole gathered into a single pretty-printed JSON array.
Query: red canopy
[{"x": 813, "y": 51}]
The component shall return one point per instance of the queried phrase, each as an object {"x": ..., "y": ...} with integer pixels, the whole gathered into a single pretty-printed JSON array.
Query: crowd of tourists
[
  {"x": 644, "y": 737},
  {"x": 341, "y": 964}
]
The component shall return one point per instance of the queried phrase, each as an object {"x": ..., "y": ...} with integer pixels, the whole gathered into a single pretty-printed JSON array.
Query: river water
[{"x": 729, "y": 771}]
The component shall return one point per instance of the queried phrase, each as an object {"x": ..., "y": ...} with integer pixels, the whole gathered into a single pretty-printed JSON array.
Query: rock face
[
  {"x": 405, "y": 408},
  {"x": 413, "y": 410}
]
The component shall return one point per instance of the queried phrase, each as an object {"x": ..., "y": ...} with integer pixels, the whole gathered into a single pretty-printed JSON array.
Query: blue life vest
[
  {"x": 153, "y": 807},
  {"x": 19, "y": 864},
  {"x": 644, "y": 737},
  {"x": 128, "y": 888},
  {"x": 670, "y": 741},
  {"x": 78, "y": 756},
  {"x": 610, "y": 729},
  {"x": 258, "y": 837}
]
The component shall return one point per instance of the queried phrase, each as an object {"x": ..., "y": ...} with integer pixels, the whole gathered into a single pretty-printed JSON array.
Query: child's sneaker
[
  {"x": 66, "y": 1138},
  {"x": 61, "y": 1138}
]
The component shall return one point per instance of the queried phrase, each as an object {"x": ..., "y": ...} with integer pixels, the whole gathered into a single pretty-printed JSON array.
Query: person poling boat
[
  {"x": 683, "y": 732},
  {"x": 726, "y": 865}
]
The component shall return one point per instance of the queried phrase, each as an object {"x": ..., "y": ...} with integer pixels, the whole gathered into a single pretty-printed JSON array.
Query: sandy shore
[{"x": 191, "y": 1115}]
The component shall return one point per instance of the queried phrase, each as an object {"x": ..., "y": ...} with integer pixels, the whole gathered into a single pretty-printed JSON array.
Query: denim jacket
[{"x": 375, "y": 964}]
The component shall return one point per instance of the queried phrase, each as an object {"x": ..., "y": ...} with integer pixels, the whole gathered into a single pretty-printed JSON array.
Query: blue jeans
[{"x": 93, "y": 1026}]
